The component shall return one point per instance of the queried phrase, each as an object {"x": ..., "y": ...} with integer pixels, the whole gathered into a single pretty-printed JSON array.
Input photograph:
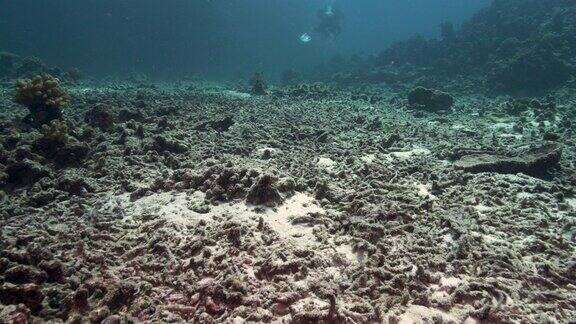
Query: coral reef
[
  {"x": 13, "y": 67},
  {"x": 25, "y": 172},
  {"x": 54, "y": 137},
  {"x": 517, "y": 107},
  {"x": 291, "y": 77},
  {"x": 74, "y": 74},
  {"x": 516, "y": 47},
  {"x": 43, "y": 97},
  {"x": 319, "y": 203},
  {"x": 526, "y": 47}
]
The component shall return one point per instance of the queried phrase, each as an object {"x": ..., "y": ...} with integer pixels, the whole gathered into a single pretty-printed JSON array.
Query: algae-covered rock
[
  {"x": 263, "y": 192},
  {"x": 533, "y": 161},
  {"x": 430, "y": 100},
  {"x": 25, "y": 172},
  {"x": 100, "y": 116}
]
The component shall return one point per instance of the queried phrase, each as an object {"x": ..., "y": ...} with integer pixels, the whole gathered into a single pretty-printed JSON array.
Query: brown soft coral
[{"x": 43, "y": 97}]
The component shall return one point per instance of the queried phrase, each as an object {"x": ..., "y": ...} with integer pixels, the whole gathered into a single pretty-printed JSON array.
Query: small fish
[{"x": 305, "y": 38}]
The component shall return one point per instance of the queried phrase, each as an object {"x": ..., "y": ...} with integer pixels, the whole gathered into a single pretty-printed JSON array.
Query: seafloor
[{"x": 193, "y": 203}]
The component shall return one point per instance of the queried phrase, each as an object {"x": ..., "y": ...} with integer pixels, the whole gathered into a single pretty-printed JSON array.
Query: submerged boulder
[
  {"x": 430, "y": 100},
  {"x": 533, "y": 161}
]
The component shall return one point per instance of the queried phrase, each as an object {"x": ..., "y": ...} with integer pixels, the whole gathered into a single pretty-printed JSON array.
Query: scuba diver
[{"x": 330, "y": 19}]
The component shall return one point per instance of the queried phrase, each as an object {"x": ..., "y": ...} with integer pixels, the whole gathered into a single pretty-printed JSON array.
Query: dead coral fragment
[
  {"x": 535, "y": 161},
  {"x": 54, "y": 137},
  {"x": 100, "y": 116},
  {"x": 43, "y": 97},
  {"x": 263, "y": 192}
]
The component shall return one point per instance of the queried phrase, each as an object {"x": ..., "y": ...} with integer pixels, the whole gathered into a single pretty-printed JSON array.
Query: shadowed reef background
[{"x": 223, "y": 39}]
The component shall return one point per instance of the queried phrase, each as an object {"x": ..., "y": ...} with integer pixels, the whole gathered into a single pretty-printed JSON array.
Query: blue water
[{"x": 215, "y": 39}]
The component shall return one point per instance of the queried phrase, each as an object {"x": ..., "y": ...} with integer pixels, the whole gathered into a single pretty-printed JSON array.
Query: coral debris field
[{"x": 194, "y": 203}]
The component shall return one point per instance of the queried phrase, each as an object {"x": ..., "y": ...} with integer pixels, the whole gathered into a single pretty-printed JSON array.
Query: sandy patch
[
  {"x": 326, "y": 164},
  {"x": 174, "y": 207},
  {"x": 462, "y": 128},
  {"x": 369, "y": 158},
  {"x": 171, "y": 206},
  {"x": 502, "y": 127},
  {"x": 424, "y": 190},
  {"x": 482, "y": 209},
  {"x": 415, "y": 314},
  {"x": 236, "y": 94},
  {"x": 511, "y": 136},
  {"x": 280, "y": 219},
  {"x": 405, "y": 155}
]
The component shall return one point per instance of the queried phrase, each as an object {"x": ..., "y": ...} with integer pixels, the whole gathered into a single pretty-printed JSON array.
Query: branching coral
[{"x": 43, "y": 97}]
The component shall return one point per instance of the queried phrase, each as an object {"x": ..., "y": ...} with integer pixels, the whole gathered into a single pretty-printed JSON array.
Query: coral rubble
[
  {"x": 205, "y": 206},
  {"x": 355, "y": 200}
]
